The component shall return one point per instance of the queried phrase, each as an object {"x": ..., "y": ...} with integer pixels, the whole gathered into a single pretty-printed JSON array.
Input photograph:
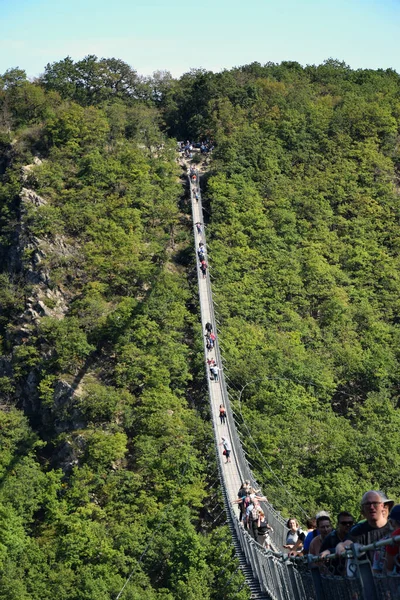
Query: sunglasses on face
[
  {"x": 347, "y": 523},
  {"x": 371, "y": 504}
]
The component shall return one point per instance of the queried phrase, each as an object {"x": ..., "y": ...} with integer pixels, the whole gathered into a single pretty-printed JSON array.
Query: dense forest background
[{"x": 107, "y": 465}]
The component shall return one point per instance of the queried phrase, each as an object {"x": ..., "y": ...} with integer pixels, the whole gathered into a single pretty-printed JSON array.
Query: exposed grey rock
[{"x": 31, "y": 197}]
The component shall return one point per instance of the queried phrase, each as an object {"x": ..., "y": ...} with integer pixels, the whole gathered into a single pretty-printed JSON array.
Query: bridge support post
[
  {"x": 364, "y": 572},
  {"x": 317, "y": 580},
  {"x": 296, "y": 593}
]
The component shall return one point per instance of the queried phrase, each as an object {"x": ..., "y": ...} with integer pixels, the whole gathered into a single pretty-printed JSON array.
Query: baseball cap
[
  {"x": 322, "y": 513},
  {"x": 395, "y": 513}
]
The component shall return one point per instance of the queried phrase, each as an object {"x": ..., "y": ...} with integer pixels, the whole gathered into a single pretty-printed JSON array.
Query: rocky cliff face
[{"x": 30, "y": 260}]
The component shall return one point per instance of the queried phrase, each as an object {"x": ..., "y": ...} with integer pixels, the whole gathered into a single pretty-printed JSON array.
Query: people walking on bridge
[
  {"x": 243, "y": 493},
  {"x": 215, "y": 370},
  {"x": 263, "y": 531},
  {"x": 222, "y": 414},
  {"x": 198, "y": 227},
  {"x": 211, "y": 363},
  {"x": 252, "y": 515},
  {"x": 203, "y": 268},
  {"x": 209, "y": 327},
  {"x": 227, "y": 449},
  {"x": 197, "y": 196}
]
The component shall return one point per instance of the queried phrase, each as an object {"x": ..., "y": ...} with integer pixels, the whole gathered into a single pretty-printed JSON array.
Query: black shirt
[
  {"x": 364, "y": 533},
  {"x": 331, "y": 541}
]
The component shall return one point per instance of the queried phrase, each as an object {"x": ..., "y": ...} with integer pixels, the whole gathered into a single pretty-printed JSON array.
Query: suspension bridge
[{"x": 270, "y": 574}]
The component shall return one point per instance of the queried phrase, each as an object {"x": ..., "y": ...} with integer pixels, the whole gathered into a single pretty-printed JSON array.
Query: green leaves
[{"x": 69, "y": 342}]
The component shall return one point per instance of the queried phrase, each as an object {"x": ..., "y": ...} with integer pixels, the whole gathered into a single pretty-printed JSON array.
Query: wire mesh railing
[{"x": 281, "y": 577}]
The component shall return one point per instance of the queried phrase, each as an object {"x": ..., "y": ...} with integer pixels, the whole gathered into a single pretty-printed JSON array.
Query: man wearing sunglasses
[{"x": 345, "y": 522}]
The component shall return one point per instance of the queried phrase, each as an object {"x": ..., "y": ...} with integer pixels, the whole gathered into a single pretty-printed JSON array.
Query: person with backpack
[
  {"x": 198, "y": 227},
  {"x": 209, "y": 328},
  {"x": 203, "y": 268},
  {"x": 222, "y": 414},
  {"x": 243, "y": 492},
  {"x": 293, "y": 534},
  {"x": 252, "y": 515}
]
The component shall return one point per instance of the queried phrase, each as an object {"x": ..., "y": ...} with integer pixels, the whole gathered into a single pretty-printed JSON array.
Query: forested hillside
[
  {"x": 107, "y": 464},
  {"x": 107, "y": 467},
  {"x": 304, "y": 208}
]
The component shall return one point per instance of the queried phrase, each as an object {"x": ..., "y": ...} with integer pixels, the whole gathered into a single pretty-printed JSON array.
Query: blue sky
[{"x": 177, "y": 35}]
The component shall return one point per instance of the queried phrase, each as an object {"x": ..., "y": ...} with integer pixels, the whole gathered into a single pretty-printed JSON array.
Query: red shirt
[{"x": 393, "y": 550}]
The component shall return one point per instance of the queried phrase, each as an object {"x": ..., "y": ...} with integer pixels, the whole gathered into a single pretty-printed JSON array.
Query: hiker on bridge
[
  {"x": 198, "y": 227},
  {"x": 211, "y": 363},
  {"x": 227, "y": 449},
  {"x": 222, "y": 414},
  {"x": 203, "y": 268},
  {"x": 263, "y": 531},
  {"x": 215, "y": 371}
]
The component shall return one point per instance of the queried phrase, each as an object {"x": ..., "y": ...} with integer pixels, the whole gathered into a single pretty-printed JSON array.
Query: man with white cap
[{"x": 374, "y": 507}]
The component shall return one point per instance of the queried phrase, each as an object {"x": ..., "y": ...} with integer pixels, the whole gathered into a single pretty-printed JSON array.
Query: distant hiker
[
  {"x": 209, "y": 327},
  {"x": 222, "y": 414},
  {"x": 243, "y": 493},
  {"x": 201, "y": 255},
  {"x": 211, "y": 363},
  {"x": 197, "y": 196},
  {"x": 227, "y": 449},
  {"x": 212, "y": 337},
  {"x": 203, "y": 267},
  {"x": 215, "y": 370},
  {"x": 198, "y": 227}
]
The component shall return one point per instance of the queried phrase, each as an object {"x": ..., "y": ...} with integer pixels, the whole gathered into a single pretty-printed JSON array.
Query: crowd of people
[
  {"x": 187, "y": 148},
  {"x": 325, "y": 538},
  {"x": 252, "y": 516}
]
